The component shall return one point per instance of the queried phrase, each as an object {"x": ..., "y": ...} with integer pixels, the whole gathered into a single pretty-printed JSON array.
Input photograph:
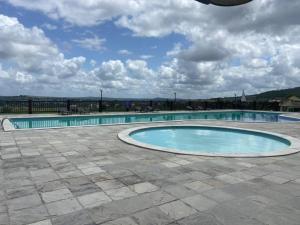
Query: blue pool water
[
  {"x": 212, "y": 140},
  {"x": 67, "y": 121}
]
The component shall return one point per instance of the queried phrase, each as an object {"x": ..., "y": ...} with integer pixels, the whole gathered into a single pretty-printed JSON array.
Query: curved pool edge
[{"x": 292, "y": 149}]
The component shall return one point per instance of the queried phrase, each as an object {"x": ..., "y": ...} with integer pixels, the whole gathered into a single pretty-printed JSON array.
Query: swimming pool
[
  {"x": 71, "y": 121},
  {"x": 209, "y": 141}
]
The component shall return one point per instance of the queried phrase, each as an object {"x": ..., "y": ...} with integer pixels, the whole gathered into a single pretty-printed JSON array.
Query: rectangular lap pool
[{"x": 71, "y": 121}]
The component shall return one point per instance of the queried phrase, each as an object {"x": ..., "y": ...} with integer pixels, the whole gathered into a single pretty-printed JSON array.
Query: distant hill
[
  {"x": 265, "y": 96},
  {"x": 279, "y": 94}
]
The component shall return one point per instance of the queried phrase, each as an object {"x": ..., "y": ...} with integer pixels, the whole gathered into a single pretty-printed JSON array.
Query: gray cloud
[{"x": 253, "y": 47}]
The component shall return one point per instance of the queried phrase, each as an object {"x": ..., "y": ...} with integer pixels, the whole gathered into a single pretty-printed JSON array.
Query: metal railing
[{"x": 90, "y": 106}]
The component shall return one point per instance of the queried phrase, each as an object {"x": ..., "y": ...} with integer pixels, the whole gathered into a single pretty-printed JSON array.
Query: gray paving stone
[
  {"x": 199, "y": 219},
  {"x": 100, "y": 177},
  {"x": 4, "y": 219},
  {"x": 29, "y": 215},
  {"x": 92, "y": 170},
  {"x": 198, "y": 186},
  {"x": 228, "y": 216},
  {"x": 76, "y": 218},
  {"x": 24, "y": 202},
  {"x": 275, "y": 179},
  {"x": 17, "y": 192},
  {"x": 274, "y": 218},
  {"x": 125, "y": 207},
  {"x": 50, "y": 186},
  {"x": 120, "y": 193},
  {"x": 117, "y": 173},
  {"x": 144, "y": 187},
  {"x": 63, "y": 207},
  {"x": 199, "y": 202},
  {"x": 229, "y": 179},
  {"x": 130, "y": 180},
  {"x": 109, "y": 184},
  {"x": 260, "y": 191},
  {"x": 56, "y": 195},
  {"x": 217, "y": 195},
  {"x": 122, "y": 221},
  {"x": 94, "y": 199},
  {"x": 153, "y": 216},
  {"x": 177, "y": 210},
  {"x": 179, "y": 191},
  {"x": 43, "y": 222},
  {"x": 81, "y": 186}
]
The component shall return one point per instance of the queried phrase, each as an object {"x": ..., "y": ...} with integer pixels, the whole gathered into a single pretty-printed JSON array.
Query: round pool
[{"x": 210, "y": 141}]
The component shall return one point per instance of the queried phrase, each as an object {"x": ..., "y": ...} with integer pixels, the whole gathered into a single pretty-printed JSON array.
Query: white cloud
[
  {"x": 49, "y": 26},
  {"x": 124, "y": 52},
  {"x": 94, "y": 43},
  {"x": 93, "y": 62},
  {"x": 81, "y": 12},
  {"x": 30, "y": 58},
  {"x": 3, "y": 73},
  {"x": 253, "y": 47},
  {"x": 145, "y": 57}
]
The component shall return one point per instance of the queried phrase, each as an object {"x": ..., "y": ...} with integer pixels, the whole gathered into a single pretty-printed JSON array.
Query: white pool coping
[{"x": 292, "y": 149}]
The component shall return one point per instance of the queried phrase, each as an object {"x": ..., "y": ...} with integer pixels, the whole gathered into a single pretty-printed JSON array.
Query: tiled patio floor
[{"x": 86, "y": 176}]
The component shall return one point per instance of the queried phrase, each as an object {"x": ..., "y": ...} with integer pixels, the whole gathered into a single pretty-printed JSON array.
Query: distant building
[
  {"x": 291, "y": 104},
  {"x": 243, "y": 98}
]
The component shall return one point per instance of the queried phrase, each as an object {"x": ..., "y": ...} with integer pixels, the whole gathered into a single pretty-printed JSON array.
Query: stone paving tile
[
  {"x": 229, "y": 179},
  {"x": 116, "y": 173},
  {"x": 179, "y": 161},
  {"x": 100, "y": 177},
  {"x": 70, "y": 174},
  {"x": 125, "y": 207},
  {"x": 278, "y": 217},
  {"x": 245, "y": 191},
  {"x": 63, "y": 207},
  {"x": 198, "y": 186},
  {"x": 29, "y": 215},
  {"x": 228, "y": 216},
  {"x": 86, "y": 165},
  {"x": 109, "y": 184},
  {"x": 4, "y": 219},
  {"x": 24, "y": 202},
  {"x": 92, "y": 170},
  {"x": 199, "y": 202},
  {"x": 214, "y": 182},
  {"x": 17, "y": 192},
  {"x": 199, "y": 219},
  {"x": 122, "y": 221},
  {"x": 120, "y": 193},
  {"x": 152, "y": 216},
  {"x": 76, "y": 218},
  {"x": 197, "y": 175},
  {"x": 94, "y": 199},
  {"x": 170, "y": 164},
  {"x": 56, "y": 195},
  {"x": 179, "y": 191},
  {"x": 275, "y": 179},
  {"x": 81, "y": 186},
  {"x": 217, "y": 195},
  {"x": 130, "y": 180},
  {"x": 43, "y": 222},
  {"x": 239, "y": 190},
  {"x": 144, "y": 187},
  {"x": 177, "y": 210}
]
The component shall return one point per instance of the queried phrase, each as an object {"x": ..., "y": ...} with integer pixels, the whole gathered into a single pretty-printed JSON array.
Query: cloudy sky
[{"x": 142, "y": 48}]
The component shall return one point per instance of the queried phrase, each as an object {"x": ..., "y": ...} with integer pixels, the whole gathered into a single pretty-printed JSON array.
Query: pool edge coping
[
  {"x": 10, "y": 127},
  {"x": 292, "y": 149}
]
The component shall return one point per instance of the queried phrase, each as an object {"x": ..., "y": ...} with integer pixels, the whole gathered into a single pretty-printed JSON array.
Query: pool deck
[{"x": 87, "y": 176}]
